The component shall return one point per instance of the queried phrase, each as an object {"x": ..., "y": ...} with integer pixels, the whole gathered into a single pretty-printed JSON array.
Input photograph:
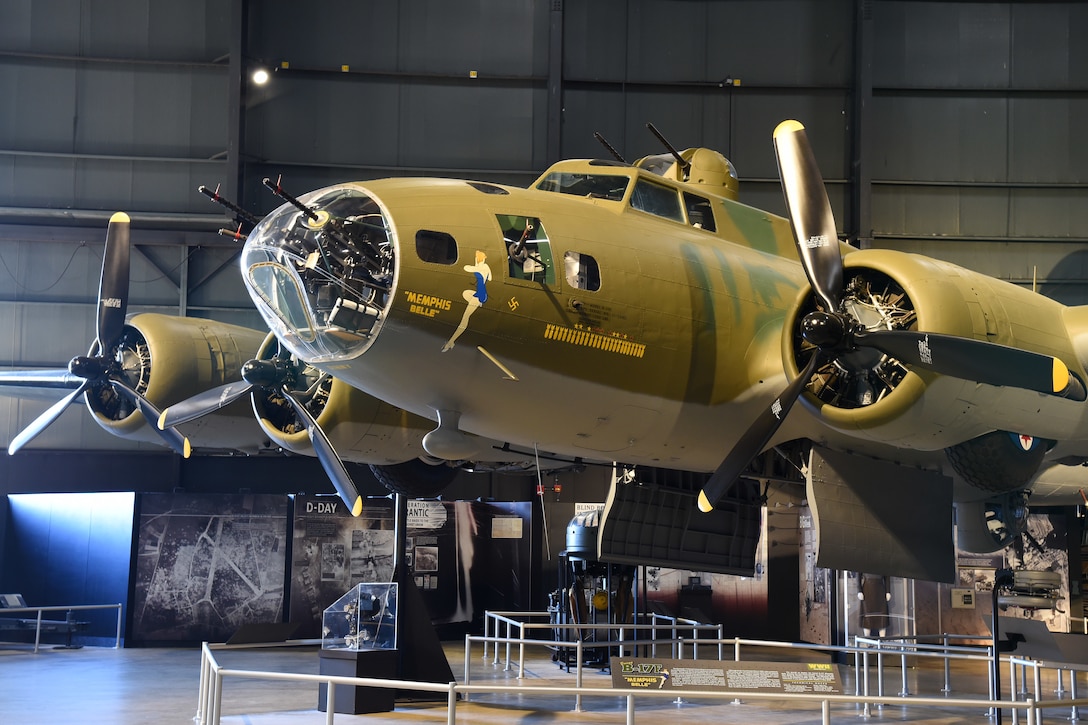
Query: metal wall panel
[
  {"x": 302, "y": 119},
  {"x": 1050, "y": 213},
  {"x": 1048, "y": 45},
  {"x": 39, "y": 107},
  {"x": 495, "y": 38},
  {"x": 24, "y": 339},
  {"x": 941, "y": 45},
  {"x": 50, "y": 272},
  {"x": 472, "y": 127},
  {"x": 416, "y": 37},
  {"x": 940, "y": 211},
  {"x": 786, "y": 42},
  {"x": 977, "y": 107},
  {"x": 1047, "y": 139}
]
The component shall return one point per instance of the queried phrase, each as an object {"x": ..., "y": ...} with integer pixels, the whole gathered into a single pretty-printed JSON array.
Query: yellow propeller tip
[
  {"x": 186, "y": 448},
  {"x": 357, "y": 507},
  {"x": 162, "y": 419},
  {"x": 704, "y": 503},
  {"x": 788, "y": 127},
  {"x": 119, "y": 217},
  {"x": 1061, "y": 376}
]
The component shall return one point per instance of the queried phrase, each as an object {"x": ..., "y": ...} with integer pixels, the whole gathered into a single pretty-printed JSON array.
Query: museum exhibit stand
[{"x": 359, "y": 639}]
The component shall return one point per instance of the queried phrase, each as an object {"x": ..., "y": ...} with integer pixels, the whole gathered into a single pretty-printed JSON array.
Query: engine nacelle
[
  {"x": 866, "y": 393},
  {"x": 169, "y": 359},
  {"x": 360, "y": 427}
]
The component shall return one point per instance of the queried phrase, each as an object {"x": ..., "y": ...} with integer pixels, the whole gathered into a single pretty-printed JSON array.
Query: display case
[{"x": 365, "y": 618}]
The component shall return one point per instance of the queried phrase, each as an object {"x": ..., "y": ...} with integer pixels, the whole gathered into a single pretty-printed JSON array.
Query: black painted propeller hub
[
  {"x": 823, "y": 329},
  {"x": 264, "y": 373},
  {"x": 88, "y": 368}
]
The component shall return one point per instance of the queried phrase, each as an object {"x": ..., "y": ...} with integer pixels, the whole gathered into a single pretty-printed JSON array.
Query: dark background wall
[{"x": 70, "y": 549}]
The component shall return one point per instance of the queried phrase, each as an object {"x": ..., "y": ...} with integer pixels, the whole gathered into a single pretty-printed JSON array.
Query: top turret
[{"x": 702, "y": 166}]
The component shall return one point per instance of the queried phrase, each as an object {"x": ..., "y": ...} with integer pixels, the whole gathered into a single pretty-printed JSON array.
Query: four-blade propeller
[
  {"x": 833, "y": 332},
  {"x": 103, "y": 368}
]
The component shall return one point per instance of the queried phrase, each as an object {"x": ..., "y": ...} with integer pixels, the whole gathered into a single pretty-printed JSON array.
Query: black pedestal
[{"x": 350, "y": 699}]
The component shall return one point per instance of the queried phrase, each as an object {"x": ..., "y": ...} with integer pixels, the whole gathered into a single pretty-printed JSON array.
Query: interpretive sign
[{"x": 725, "y": 675}]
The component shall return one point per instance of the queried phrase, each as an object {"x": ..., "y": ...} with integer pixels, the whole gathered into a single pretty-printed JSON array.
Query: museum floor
[{"x": 103, "y": 686}]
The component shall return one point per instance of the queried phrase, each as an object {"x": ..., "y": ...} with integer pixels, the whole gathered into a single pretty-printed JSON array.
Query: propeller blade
[
  {"x": 44, "y": 420},
  {"x": 331, "y": 462},
  {"x": 968, "y": 359},
  {"x": 203, "y": 403},
  {"x": 113, "y": 286},
  {"x": 809, "y": 212},
  {"x": 173, "y": 438},
  {"x": 755, "y": 438}
]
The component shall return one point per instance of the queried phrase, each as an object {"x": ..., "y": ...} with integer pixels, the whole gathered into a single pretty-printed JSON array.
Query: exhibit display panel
[{"x": 365, "y": 618}]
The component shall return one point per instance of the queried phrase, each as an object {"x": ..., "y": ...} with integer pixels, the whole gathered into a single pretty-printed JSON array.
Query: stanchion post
[
  {"x": 1012, "y": 690},
  {"x": 508, "y": 638},
  {"x": 468, "y": 656},
  {"x": 867, "y": 709},
  {"x": 578, "y": 675},
  {"x": 487, "y": 630},
  {"x": 521, "y": 651},
  {"x": 1074, "y": 713},
  {"x": 947, "y": 669}
]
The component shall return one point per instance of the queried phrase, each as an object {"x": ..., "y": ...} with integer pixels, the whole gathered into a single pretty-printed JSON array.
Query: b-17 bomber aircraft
[{"x": 638, "y": 313}]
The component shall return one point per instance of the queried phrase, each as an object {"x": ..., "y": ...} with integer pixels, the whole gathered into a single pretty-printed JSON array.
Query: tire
[
  {"x": 997, "y": 461},
  {"x": 415, "y": 479}
]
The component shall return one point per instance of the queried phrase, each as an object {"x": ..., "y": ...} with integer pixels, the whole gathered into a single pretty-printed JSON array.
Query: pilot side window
[
  {"x": 582, "y": 271},
  {"x": 436, "y": 247},
  {"x": 657, "y": 200},
  {"x": 528, "y": 251},
  {"x": 700, "y": 214}
]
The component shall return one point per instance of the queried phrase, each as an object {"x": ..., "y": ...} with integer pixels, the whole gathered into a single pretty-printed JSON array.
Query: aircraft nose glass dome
[{"x": 321, "y": 276}]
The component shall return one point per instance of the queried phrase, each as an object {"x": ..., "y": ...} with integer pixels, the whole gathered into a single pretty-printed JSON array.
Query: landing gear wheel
[
  {"x": 997, "y": 461},
  {"x": 415, "y": 479}
]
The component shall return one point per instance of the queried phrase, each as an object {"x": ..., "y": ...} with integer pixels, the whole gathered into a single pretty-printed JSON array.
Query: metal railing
[
  {"x": 625, "y": 635},
  {"x": 212, "y": 677},
  {"x": 38, "y": 626}
]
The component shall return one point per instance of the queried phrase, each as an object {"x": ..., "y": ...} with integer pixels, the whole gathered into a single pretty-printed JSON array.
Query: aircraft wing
[{"x": 38, "y": 383}]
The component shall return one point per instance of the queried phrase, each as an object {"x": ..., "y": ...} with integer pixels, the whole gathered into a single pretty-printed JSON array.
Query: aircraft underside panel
[
  {"x": 877, "y": 517},
  {"x": 655, "y": 521}
]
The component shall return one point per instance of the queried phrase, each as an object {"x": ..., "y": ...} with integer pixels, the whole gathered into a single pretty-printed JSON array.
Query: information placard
[{"x": 725, "y": 675}]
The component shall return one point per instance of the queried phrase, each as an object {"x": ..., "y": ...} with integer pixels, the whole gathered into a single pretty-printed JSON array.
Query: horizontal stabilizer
[
  {"x": 881, "y": 518},
  {"x": 654, "y": 521}
]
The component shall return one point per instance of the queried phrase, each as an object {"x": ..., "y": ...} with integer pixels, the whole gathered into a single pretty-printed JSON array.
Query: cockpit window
[
  {"x": 528, "y": 251},
  {"x": 595, "y": 186},
  {"x": 657, "y": 200},
  {"x": 436, "y": 247},
  {"x": 700, "y": 213}
]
